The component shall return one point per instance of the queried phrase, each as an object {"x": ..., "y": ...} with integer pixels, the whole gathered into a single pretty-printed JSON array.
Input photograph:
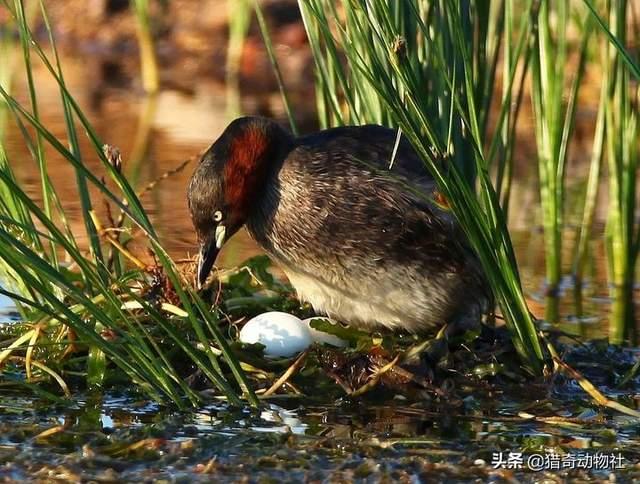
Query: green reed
[
  {"x": 554, "y": 121},
  {"x": 584, "y": 231},
  {"x": 622, "y": 236},
  {"x": 239, "y": 12},
  {"x": 9, "y": 56},
  {"x": 89, "y": 300},
  {"x": 428, "y": 68},
  {"x": 515, "y": 61},
  {"x": 148, "y": 59},
  {"x": 266, "y": 36}
]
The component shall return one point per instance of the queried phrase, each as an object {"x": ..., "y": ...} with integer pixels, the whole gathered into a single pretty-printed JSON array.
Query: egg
[
  {"x": 322, "y": 337},
  {"x": 281, "y": 334}
]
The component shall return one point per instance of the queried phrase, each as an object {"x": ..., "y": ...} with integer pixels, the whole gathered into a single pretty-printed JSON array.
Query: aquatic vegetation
[
  {"x": 75, "y": 299},
  {"x": 623, "y": 230},
  {"x": 276, "y": 68},
  {"x": 148, "y": 59},
  {"x": 418, "y": 66},
  {"x": 112, "y": 330},
  {"x": 553, "y": 128},
  {"x": 622, "y": 235}
]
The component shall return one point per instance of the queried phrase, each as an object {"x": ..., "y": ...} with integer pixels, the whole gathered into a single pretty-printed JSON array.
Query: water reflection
[
  {"x": 132, "y": 437},
  {"x": 7, "y": 310}
]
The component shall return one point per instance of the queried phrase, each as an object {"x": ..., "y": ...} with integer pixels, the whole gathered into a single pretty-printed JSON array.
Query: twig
[
  {"x": 596, "y": 394},
  {"x": 53, "y": 430},
  {"x": 375, "y": 378},
  {"x": 347, "y": 389},
  {"x": 167, "y": 174},
  {"x": 287, "y": 374},
  {"x": 151, "y": 185},
  {"x": 113, "y": 241}
]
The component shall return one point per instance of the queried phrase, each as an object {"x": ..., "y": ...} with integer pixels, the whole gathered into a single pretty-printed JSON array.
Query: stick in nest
[{"x": 287, "y": 374}]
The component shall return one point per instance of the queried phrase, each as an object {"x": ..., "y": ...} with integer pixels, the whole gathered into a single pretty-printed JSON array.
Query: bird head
[{"x": 229, "y": 178}]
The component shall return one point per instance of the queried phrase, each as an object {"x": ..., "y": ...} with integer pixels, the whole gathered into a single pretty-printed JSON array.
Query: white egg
[
  {"x": 322, "y": 337},
  {"x": 282, "y": 334}
]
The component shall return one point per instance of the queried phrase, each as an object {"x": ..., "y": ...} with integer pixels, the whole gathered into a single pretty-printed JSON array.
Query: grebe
[{"x": 355, "y": 238}]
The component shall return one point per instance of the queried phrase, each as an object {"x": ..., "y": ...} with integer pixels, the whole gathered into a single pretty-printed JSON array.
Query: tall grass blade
[
  {"x": 554, "y": 124},
  {"x": 148, "y": 60},
  {"x": 264, "y": 29},
  {"x": 92, "y": 302},
  {"x": 417, "y": 66}
]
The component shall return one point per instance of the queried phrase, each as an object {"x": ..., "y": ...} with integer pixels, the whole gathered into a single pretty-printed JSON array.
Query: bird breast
[{"x": 355, "y": 244}]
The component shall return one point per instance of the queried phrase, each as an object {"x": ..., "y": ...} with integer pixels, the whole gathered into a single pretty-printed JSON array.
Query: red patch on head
[{"x": 245, "y": 168}]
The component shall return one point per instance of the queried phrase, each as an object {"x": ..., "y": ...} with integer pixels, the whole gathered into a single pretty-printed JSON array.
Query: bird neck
[{"x": 253, "y": 156}]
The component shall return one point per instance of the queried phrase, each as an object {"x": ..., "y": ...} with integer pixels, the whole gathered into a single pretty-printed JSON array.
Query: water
[
  {"x": 7, "y": 311},
  {"x": 119, "y": 438}
]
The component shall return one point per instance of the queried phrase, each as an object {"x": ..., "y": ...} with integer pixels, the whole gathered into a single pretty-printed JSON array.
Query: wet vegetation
[{"x": 119, "y": 369}]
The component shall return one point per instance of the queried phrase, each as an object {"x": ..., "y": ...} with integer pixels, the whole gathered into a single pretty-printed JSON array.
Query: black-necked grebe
[{"x": 353, "y": 237}]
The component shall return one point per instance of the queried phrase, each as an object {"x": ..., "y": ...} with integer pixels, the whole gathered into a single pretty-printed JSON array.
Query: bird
[{"x": 351, "y": 216}]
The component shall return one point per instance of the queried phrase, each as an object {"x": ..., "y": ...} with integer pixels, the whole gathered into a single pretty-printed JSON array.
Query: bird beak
[{"x": 208, "y": 253}]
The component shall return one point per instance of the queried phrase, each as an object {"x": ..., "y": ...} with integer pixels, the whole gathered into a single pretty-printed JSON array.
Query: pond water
[
  {"x": 5, "y": 308},
  {"x": 119, "y": 437}
]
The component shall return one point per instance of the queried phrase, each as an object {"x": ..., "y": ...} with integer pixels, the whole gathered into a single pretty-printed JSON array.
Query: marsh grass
[
  {"x": 146, "y": 44},
  {"x": 554, "y": 121},
  {"x": 266, "y": 36},
  {"x": 78, "y": 300},
  {"x": 428, "y": 69},
  {"x": 622, "y": 235}
]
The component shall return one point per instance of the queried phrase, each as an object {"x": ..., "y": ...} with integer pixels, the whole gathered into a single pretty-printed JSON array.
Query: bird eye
[{"x": 217, "y": 216}]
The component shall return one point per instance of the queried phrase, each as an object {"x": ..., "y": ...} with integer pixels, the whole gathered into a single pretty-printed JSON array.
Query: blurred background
[{"x": 157, "y": 131}]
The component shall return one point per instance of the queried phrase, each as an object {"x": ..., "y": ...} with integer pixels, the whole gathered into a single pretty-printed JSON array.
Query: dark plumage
[{"x": 354, "y": 238}]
